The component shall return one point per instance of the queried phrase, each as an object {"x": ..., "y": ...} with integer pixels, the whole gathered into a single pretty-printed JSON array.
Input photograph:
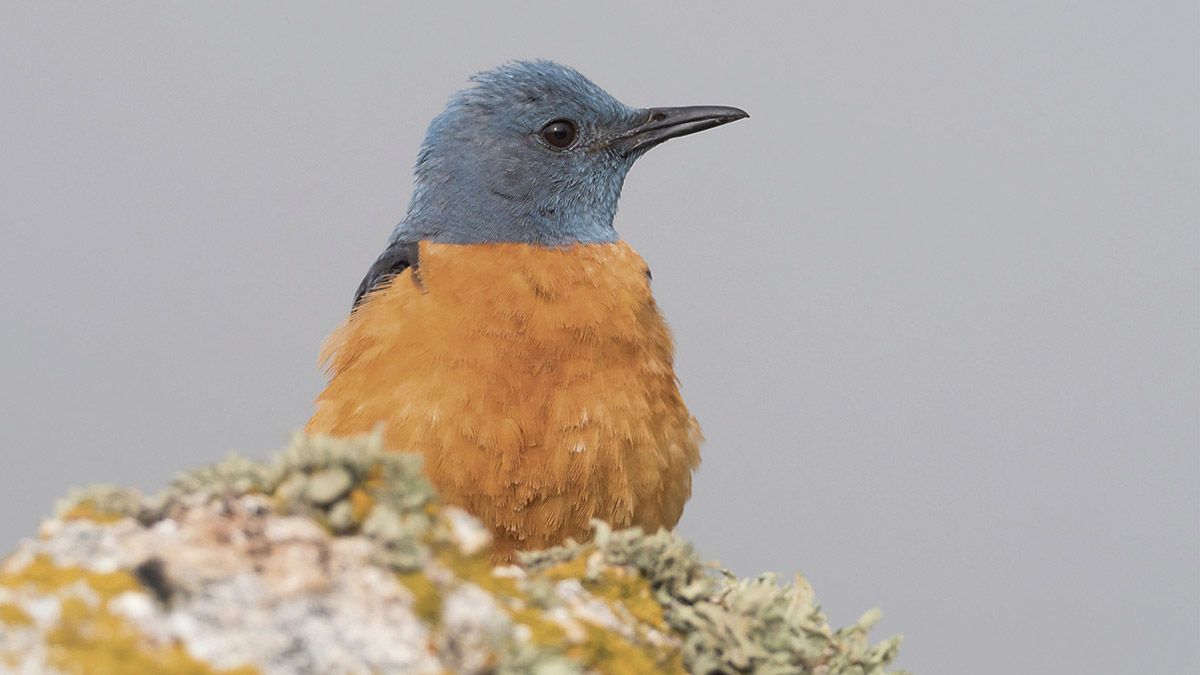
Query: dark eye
[{"x": 559, "y": 133}]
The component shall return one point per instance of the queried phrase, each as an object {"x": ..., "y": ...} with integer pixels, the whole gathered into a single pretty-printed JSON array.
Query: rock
[{"x": 338, "y": 558}]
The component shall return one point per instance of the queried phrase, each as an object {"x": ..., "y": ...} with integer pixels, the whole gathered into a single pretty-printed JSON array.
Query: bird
[{"x": 507, "y": 333}]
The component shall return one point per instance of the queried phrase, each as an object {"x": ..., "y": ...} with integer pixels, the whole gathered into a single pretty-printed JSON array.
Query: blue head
[{"x": 535, "y": 152}]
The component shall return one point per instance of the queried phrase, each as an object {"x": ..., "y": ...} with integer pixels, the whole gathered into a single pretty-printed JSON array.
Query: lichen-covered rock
[{"x": 338, "y": 558}]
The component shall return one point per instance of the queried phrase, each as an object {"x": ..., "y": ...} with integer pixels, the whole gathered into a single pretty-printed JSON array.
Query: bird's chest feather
[
  {"x": 527, "y": 305},
  {"x": 500, "y": 334},
  {"x": 534, "y": 380}
]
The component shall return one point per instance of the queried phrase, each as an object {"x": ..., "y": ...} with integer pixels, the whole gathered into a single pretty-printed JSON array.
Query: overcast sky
[{"x": 936, "y": 301}]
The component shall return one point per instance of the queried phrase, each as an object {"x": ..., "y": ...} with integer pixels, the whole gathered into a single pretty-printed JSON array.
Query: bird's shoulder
[
  {"x": 487, "y": 262},
  {"x": 399, "y": 255}
]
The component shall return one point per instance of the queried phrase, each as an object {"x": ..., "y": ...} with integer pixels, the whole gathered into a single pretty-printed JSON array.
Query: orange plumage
[{"x": 536, "y": 381}]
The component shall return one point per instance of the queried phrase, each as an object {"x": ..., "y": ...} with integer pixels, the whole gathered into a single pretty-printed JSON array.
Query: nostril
[{"x": 658, "y": 117}]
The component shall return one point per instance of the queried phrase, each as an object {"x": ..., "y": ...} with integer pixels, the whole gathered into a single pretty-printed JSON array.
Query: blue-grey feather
[{"x": 484, "y": 175}]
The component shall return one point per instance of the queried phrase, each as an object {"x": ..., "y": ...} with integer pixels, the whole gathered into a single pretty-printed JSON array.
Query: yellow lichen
[
  {"x": 610, "y": 653},
  {"x": 46, "y": 577},
  {"x": 374, "y": 483},
  {"x": 616, "y": 585},
  {"x": 632, "y": 592},
  {"x": 575, "y": 568},
  {"x": 427, "y": 599},
  {"x": 13, "y": 615},
  {"x": 604, "y": 650},
  {"x": 542, "y": 631},
  {"x": 478, "y": 570},
  {"x": 90, "y": 639},
  {"x": 361, "y": 504},
  {"x": 87, "y": 510}
]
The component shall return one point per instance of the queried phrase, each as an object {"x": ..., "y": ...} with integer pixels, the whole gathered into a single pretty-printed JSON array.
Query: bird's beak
[{"x": 661, "y": 124}]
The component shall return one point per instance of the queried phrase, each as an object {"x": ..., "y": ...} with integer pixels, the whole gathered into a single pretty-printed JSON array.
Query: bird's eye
[{"x": 559, "y": 133}]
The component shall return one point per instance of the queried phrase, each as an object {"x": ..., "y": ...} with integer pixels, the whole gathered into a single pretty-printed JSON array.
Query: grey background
[{"x": 936, "y": 301}]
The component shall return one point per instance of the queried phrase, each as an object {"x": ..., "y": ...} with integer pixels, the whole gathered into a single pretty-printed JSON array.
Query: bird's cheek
[{"x": 512, "y": 184}]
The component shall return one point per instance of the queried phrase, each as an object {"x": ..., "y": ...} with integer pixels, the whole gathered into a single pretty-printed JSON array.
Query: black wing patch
[{"x": 397, "y": 257}]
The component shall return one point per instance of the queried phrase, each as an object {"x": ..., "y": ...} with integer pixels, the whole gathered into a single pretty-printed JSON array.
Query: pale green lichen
[
  {"x": 728, "y": 625},
  {"x": 101, "y": 503},
  {"x": 350, "y": 486},
  {"x": 236, "y": 475}
]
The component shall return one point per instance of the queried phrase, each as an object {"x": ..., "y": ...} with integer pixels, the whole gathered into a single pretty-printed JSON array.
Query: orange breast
[{"x": 537, "y": 382}]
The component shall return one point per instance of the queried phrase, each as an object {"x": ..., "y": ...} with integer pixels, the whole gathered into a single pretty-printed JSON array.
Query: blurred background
[{"x": 937, "y": 302}]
